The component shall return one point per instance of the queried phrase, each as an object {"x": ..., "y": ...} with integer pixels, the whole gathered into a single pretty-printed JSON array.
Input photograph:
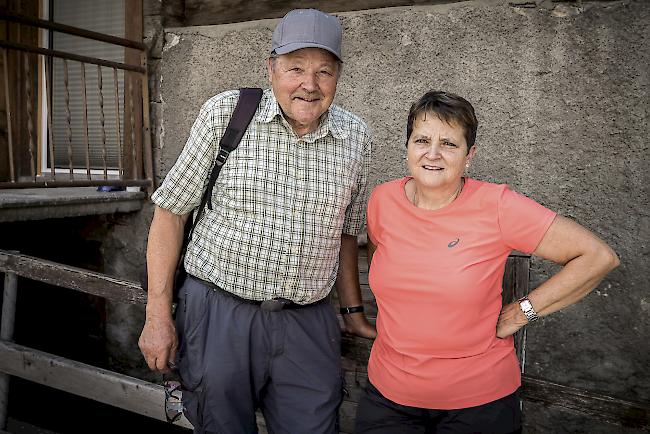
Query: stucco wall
[{"x": 561, "y": 93}]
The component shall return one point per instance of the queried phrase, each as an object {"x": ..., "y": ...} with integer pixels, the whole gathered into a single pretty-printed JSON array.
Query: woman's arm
[{"x": 586, "y": 259}]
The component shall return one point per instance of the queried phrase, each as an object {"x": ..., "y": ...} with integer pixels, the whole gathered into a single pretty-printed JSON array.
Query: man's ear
[{"x": 269, "y": 66}]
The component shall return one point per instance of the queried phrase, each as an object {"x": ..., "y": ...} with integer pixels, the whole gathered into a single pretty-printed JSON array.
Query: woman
[{"x": 444, "y": 359}]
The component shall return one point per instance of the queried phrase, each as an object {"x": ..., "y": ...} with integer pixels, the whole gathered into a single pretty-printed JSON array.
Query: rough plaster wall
[
  {"x": 124, "y": 246},
  {"x": 562, "y": 97},
  {"x": 123, "y": 251}
]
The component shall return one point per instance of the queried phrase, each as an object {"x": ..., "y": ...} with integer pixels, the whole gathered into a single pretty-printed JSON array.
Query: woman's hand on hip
[{"x": 511, "y": 319}]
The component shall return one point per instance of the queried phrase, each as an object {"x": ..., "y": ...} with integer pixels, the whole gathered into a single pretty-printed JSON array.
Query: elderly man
[{"x": 288, "y": 205}]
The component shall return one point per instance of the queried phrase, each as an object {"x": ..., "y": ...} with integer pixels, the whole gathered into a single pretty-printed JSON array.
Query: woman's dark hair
[{"x": 450, "y": 108}]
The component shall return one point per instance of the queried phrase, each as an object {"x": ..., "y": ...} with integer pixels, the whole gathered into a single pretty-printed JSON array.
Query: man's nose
[{"x": 310, "y": 83}]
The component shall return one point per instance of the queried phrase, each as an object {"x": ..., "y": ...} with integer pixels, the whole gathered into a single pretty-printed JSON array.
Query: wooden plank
[
  {"x": 71, "y": 56},
  {"x": 98, "y": 284},
  {"x": 134, "y": 84},
  {"x": 597, "y": 406},
  {"x": 90, "y": 382},
  {"x": 347, "y": 417},
  {"x": 16, "y": 426},
  {"x": 198, "y": 12},
  {"x": 76, "y": 31}
]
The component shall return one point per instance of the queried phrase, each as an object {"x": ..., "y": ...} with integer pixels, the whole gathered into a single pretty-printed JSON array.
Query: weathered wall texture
[{"x": 562, "y": 97}]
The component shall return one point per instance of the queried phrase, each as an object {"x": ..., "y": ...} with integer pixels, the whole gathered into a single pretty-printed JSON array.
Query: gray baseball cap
[{"x": 307, "y": 28}]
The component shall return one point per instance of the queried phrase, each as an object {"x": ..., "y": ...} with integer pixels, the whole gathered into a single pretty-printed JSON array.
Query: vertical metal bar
[
  {"x": 7, "y": 334},
  {"x": 146, "y": 132},
  {"x": 50, "y": 135},
  {"x": 5, "y": 65},
  {"x": 68, "y": 117},
  {"x": 30, "y": 118},
  {"x": 117, "y": 124},
  {"x": 101, "y": 118},
  {"x": 132, "y": 122},
  {"x": 85, "y": 108}
]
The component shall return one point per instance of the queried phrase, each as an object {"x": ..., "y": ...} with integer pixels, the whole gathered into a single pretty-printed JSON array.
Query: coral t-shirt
[{"x": 437, "y": 277}]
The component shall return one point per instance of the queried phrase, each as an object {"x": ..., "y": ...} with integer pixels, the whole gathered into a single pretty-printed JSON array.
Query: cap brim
[{"x": 288, "y": 48}]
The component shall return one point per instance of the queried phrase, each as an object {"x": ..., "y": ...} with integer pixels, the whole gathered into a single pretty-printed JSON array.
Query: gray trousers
[{"x": 234, "y": 358}]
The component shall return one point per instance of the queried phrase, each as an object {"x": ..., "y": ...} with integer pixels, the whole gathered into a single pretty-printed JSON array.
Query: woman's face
[{"x": 437, "y": 152}]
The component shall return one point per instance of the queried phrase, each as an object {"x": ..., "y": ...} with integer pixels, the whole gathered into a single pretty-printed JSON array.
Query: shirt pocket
[{"x": 242, "y": 181}]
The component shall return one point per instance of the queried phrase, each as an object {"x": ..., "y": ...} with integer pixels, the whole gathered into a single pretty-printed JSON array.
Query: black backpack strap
[{"x": 249, "y": 100}]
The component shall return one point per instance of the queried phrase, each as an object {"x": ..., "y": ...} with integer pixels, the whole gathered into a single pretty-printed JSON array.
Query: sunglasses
[{"x": 173, "y": 400}]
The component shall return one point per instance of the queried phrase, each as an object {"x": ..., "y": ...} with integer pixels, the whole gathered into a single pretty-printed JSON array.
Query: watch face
[{"x": 526, "y": 305}]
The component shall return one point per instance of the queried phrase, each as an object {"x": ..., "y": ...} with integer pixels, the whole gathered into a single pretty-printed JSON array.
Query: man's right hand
[{"x": 158, "y": 343}]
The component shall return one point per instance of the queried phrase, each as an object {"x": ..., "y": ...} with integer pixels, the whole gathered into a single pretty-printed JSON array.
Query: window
[{"x": 102, "y": 103}]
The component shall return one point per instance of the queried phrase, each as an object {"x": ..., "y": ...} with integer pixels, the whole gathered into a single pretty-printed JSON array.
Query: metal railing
[{"x": 67, "y": 160}]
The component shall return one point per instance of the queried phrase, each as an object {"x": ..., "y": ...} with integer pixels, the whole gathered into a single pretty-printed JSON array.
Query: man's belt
[{"x": 271, "y": 305}]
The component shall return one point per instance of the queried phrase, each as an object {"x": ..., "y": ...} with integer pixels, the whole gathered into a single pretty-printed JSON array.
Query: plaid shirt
[{"x": 280, "y": 204}]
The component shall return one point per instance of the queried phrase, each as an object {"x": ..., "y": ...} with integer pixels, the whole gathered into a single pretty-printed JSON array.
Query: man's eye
[
  {"x": 327, "y": 73},
  {"x": 451, "y": 145}
]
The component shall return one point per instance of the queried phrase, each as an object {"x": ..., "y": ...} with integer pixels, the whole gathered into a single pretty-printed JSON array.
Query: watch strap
[{"x": 351, "y": 309}]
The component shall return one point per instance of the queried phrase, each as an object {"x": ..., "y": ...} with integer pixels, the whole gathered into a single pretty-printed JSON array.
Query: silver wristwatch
[{"x": 527, "y": 308}]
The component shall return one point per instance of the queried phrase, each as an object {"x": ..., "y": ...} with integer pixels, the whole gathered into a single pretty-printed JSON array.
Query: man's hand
[
  {"x": 357, "y": 324},
  {"x": 158, "y": 340},
  {"x": 158, "y": 343},
  {"x": 511, "y": 319},
  {"x": 347, "y": 286}
]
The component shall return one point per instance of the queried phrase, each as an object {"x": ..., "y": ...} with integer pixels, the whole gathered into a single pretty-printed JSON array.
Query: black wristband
[{"x": 351, "y": 309}]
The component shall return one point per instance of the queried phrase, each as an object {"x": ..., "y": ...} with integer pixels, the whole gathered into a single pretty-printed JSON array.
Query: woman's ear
[{"x": 470, "y": 155}]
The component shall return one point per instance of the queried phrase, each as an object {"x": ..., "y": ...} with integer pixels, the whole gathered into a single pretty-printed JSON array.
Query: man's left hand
[{"x": 357, "y": 324}]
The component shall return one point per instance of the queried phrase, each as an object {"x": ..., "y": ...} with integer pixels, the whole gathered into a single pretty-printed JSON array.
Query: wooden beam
[
  {"x": 72, "y": 56},
  {"x": 90, "y": 382},
  {"x": 596, "y": 406},
  {"x": 198, "y": 12},
  {"x": 600, "y": 407},
  {"x": 98, "y": 284},
  {"x": 76, "y": 31}
]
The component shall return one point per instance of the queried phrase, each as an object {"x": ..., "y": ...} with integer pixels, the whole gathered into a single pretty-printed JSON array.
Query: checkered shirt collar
[{"x": 270, "y": 108}]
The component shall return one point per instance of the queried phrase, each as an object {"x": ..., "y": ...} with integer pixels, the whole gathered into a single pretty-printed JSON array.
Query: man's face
[{"x": 304, "y": 83}]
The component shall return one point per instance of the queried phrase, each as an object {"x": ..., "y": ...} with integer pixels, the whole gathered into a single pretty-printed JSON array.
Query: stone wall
[{"x": 561, "y": 93}]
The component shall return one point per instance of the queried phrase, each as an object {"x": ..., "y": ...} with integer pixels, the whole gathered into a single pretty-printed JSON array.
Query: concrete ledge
[{"x": 48, "y": 203}]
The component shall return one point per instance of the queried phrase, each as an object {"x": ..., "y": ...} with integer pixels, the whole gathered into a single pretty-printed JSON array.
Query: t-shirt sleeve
[
  {"x": 522, "y": 221},
  {"x": 353, "y": 221},
  {"x": 181, "y": 190},
  {"x": 372, "y": 217}
]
